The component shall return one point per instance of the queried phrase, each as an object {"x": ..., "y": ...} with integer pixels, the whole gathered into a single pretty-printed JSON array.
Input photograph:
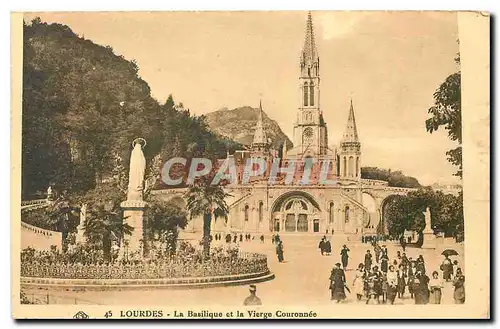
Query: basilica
[{"x": 351, "y": 206}]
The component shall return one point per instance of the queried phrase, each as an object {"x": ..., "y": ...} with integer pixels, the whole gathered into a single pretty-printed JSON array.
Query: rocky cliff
[{"x": 239, "y": 125}]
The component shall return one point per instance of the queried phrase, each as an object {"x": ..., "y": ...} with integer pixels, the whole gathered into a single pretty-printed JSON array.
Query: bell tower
[
  {"x": 310, "y": 133},
  {"x": 350, "y": 150}
]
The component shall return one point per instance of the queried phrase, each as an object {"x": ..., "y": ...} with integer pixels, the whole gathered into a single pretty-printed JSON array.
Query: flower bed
[
  {"x": 249, "y": 263},
  {"x": 186, "y": 263}
]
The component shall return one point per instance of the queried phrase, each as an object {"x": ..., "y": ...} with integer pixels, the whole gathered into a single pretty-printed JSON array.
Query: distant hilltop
[{"x": 239, "y": 125}]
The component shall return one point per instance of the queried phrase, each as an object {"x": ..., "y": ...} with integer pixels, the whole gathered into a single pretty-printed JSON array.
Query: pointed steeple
[
  {"x": 259, "y": 137},
  {"x": 351, "y": 132},
  {"x": 309, "y": 52}
]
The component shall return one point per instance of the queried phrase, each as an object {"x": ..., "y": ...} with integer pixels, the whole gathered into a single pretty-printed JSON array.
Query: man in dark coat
[
  {"x": 337, "y": 283},
  {"x": 321, "y": 246},
  {"x": 279, "y": 251},
  {"x": 368, "y": 260},
  {"x": 328, "y": 247}
]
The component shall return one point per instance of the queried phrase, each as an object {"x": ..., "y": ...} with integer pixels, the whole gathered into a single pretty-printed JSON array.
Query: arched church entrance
[
  {"x": 296, "y": 212},
  {"x": 382, "y": 227}
]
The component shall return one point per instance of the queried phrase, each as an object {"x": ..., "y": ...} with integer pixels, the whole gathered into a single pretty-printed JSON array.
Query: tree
[
  {"x": 203, "y": 199},
  {"x": 406, "y": 212},
  {"x": 164, "y": 221},
  {"x": 447, "y": 112},
  {"x": 394, "y": 178},
  {"x": 63, "y": 217},
  {"x": 103, "y": 226}
]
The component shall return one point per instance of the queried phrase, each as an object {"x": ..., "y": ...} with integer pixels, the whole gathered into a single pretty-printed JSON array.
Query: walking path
[{"x": 303, "y": 279}]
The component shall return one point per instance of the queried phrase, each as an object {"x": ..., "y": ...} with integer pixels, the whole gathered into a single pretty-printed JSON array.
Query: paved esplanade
[{"x": 302, "y": 279}]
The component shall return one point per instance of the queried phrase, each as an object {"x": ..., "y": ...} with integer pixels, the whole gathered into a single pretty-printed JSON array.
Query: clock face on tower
[{"x": 307, "y": 135}]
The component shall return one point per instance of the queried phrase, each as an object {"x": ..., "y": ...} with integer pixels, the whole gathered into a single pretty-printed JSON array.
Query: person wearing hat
[
  {"x": 337, "y": 283},
  {"x": 368, "y": 260},
  {"x": 344, "y": 256},
  {"x": 252, "y": 299},
  {"x": 321, "y": 246}
]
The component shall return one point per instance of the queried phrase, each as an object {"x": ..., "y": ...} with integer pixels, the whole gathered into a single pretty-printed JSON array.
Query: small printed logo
[{"x": 80, "y": 315}]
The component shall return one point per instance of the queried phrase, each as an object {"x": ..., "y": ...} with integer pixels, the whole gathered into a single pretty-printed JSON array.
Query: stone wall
[{"x": 38, "y": 238}]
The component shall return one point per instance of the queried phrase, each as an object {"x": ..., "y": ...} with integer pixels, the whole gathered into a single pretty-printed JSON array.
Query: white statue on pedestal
[
  {"x": 136, "y": 172},
  {"x": 79, "y": 230},
  {"x": 428, "y": 227},
  {"x": 133, "y": 207},
  {"x": 49, "y": 193},
  {"x": 429, "y": 237}
]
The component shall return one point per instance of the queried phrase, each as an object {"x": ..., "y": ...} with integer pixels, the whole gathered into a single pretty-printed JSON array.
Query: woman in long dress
[
  {"x": 384, "y": 260},
  {"x": 421, "y": 288},
  {"x": 344, "y": 256},
  {"x": 358, "y": 282},
  {"x": 458, "y": 283},
  {"x": 337, "y": 283},
  {"x": 447, "y": 268},
  {"x": 392, "y": 283},
  {"x": 401, "y": 273},
  {"x": 374, "y": 284},
  {"x": 435, "y": 286}
]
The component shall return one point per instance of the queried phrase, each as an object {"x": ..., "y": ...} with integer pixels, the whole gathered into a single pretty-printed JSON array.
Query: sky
[{"x": 389, "y": 63}]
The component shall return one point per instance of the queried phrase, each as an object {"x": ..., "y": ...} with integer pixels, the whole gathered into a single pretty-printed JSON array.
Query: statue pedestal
[
  {"x": 80, "y": 238},
  {"x": 429, "y": 239},
  {"x": 133, "y": 215}
]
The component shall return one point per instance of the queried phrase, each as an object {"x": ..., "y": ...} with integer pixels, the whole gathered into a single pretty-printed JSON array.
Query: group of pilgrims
[{"x": 380, "y": 280}]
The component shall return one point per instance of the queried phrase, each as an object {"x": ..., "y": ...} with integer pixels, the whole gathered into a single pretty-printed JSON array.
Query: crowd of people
[
  {"x": 235, "y": 238},
  {"x": 380, "y": 279}
]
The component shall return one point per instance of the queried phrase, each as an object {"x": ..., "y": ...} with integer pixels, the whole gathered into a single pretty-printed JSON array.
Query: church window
[
  {"x": 344, "y": 171},
  {"x": 246, "y": 213},
  {"x": 311, "y": 93},
  {"x": 307, "y": 135},
  {"x": 306, "y": 94},
  {"x": 347, "y": 214},
  {"x": 351, "y": 166},
  {"x": 261, "y": 211},
  {"x": 331, "y": 212},
  {"x": 357, "y": 166}
]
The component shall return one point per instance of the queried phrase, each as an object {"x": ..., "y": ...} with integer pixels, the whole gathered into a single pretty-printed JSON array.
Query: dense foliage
[
  {"x": 407, "y": 212},
  {"x": 447, "y": 112},
  {"x": 82, "y": 107},
  {"x": 394, "y": 178},
  {"x": 207, "y": 200}
]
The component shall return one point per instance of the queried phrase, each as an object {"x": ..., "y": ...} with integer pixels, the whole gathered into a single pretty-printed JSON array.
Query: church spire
[
  {"x": 259, "y": 137},
  {"x": 351, "y": 132},
  {"x": 309, "y": 52}
]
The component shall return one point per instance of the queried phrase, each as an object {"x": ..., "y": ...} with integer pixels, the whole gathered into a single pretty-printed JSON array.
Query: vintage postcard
[{"x": 250, "y": 165}]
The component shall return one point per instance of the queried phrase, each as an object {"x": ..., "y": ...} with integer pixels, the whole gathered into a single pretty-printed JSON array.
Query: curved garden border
[{"x": 123, "y": 284}]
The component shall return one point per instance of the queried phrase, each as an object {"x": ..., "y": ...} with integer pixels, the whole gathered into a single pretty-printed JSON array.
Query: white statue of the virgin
[{"x": 136, "y": 173}]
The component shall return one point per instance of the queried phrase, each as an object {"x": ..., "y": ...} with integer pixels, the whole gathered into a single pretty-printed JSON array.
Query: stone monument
[
  {"x": 428, "y": 232},
  {"x": 79, "y": 230},
  {"x": 133, "y": 207}
]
